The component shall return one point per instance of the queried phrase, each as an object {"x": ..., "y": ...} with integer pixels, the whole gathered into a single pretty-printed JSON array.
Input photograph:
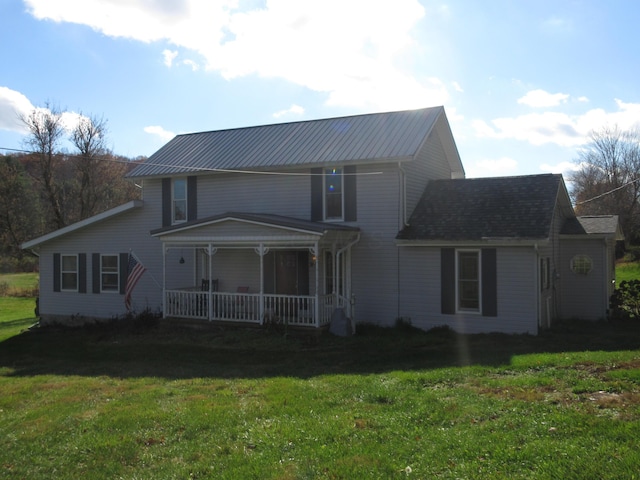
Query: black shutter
[
  {"x": 82, "y": 273},
  {"x": 124, "y": 271},
  {"x": 448, "y": 280},
  {"x": 350, "y": 206},
  {"x": 166, "y": 202},
  {"x": 95, "y": 272},
  {"x": 192, "y": 198},
  {"x": 489, "y": 283},
  {"x": 316, "y": 194},
  {"x": 56, "y": 272}
]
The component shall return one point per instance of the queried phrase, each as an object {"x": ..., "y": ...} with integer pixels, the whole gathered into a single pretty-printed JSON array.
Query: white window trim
[
  {"x": 472, "y": 311},
  {"x": 324, "y": 195},
  {"x": 63, "y": 271},
  {"x": 173, "y": 200},
  {"x": 117, "y": 272}
]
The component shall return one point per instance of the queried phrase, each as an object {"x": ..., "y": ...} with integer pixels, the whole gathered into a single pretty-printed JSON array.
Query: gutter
[{"x": 403, "y": 194}]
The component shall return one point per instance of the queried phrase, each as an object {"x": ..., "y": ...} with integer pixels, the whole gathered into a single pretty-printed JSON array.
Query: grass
[
  {"x": 627, "y": 271},
  {"x": 167, "y": 402},
  {"x": 19, "y": 284},
  {"x": 160, "y": 401}
]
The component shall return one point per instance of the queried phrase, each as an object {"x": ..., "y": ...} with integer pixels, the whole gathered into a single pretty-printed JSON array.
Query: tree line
[
  {"x": 607, "y": 178},
  {"x": 48, "y": 187}
]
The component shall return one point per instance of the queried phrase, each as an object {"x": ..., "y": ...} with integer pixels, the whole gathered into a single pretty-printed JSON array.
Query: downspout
[
  {"x": 536, "y": 282},
  {"x": 339, "y": 253},
  {"x": 403, "y": 194},
  {"x": 405, "y": 223}
]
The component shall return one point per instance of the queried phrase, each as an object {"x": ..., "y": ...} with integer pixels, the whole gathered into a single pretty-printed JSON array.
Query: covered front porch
[{"x": 257, "y": 269}]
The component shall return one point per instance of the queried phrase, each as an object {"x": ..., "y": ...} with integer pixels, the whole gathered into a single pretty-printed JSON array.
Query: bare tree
[
  {"x": 89, "y": 137},
  {"x": 608, "y": 179},
  {"x": 45, "y": 134}
]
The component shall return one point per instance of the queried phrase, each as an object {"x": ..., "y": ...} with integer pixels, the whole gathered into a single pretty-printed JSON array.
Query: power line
[
  {"x": 201, "y": 169},
  {"x": 607, "y": 192}
]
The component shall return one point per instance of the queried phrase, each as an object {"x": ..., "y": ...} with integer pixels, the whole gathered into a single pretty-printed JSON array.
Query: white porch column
[
  {"x": 210, "y": 251},
  {"x": 261, "y": 250},
  {"x": 315, "y": 251},
  {"x": 164, "y": 281}
]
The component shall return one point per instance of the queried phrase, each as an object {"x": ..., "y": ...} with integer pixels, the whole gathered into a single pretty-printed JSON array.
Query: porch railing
[{"x": 297, "y": 310}]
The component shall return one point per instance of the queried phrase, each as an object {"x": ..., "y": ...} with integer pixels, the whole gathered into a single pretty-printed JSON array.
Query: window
[
  {"x": 581, "y": 264},
  {"x": 333, "y": 198},
  {"x": 179, "y": 200},
  {"x": 468, "y": 280},
  {"x": 69, "y": 272},
  {"x": 109, "y": 273}
]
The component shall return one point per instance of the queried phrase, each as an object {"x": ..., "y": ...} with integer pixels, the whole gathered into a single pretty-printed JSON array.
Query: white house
[{"x": 369, "y": 213}]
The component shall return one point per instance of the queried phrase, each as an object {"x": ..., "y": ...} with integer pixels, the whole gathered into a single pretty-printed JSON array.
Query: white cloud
[
  {"x": 457, "y": 87},
  {"x": 323, "y": 46},
  {"x": 190, "y": 63},
  {"x": 292, "y": 110},
  {"x": 496, "y": 167},
  {"x": 13, "y": 105},
  {"x": 169, "y": 56},
  {"x": 160, "y": 132},
  {"x": 559, "y": 128},
  {"x": 562, "y": 167},
  {"x": 541, "y": 99}
]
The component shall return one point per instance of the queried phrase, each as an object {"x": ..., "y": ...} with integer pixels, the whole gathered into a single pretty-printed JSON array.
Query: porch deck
[{"x": 251, "y": 308}]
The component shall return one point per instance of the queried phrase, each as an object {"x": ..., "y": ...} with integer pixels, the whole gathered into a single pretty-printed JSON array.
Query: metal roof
[{"x": 370, "y": 137}]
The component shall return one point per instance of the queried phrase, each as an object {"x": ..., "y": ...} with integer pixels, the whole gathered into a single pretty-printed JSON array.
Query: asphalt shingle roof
[
  {"x": 393, "y": 135},
  {"x": 479, "y": 208},
  {"x": 591, "y": 224}
]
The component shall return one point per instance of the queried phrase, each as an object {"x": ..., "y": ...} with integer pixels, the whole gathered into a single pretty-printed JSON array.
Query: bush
[{"x": 625, "y": 301}]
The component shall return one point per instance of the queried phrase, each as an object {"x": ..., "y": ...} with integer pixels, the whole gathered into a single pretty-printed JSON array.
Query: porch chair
[{"x": 205, "y": 285}]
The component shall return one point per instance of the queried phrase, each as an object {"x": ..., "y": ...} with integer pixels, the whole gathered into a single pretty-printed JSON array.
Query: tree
[
  {"x": 89, "y": 137},
  {"x": 608, "y": 179},
  {"x": 19, "y": 216},
  {"x": 45, "y": 134}
]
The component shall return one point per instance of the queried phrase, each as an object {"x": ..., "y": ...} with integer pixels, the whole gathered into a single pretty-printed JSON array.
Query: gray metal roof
[
  {"x": 474, "y": 209},
  {"x": 379, "y": 136}
]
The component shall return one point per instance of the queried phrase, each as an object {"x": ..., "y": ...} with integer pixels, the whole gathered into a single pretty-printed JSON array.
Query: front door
[{"x": 292, "y": 272}]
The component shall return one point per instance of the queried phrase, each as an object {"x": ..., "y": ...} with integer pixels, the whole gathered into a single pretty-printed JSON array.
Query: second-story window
[
  {"x": 333, "y": 197},
  {"x": 179, "y": 200}
]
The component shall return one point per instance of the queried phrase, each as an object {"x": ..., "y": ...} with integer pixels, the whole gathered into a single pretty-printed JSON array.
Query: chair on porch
[{"x": 204, "y": 287}]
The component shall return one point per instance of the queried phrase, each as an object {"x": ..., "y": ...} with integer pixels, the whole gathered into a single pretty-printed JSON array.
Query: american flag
[{"x": 135, "y": 270}]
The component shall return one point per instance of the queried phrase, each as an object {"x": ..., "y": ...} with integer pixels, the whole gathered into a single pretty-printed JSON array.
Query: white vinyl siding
[{"x": 420, "y": 292}]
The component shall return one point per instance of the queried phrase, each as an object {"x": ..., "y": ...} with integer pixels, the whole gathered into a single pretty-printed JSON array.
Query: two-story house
[{"x": 368, "y": 213}]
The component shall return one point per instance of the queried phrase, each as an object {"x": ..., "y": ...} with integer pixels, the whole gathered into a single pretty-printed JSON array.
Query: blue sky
[{"x": 523, "y": 82}]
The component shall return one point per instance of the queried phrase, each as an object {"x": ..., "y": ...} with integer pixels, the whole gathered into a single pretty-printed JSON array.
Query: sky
[{"x": 523, "y": 82}]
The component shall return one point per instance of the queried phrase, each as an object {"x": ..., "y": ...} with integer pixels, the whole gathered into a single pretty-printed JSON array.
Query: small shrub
[
  {"x": 625, "y": 301},
  {"x": 4, "y": 289}
]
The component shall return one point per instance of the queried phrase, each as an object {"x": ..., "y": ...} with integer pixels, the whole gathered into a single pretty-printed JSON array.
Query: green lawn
[
  {"x": 627, "y": 271},
  {"x": 164, "y": 402}
]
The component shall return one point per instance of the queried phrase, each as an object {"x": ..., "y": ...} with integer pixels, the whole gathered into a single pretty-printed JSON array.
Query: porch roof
[{"x": 287, "y": 225}]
